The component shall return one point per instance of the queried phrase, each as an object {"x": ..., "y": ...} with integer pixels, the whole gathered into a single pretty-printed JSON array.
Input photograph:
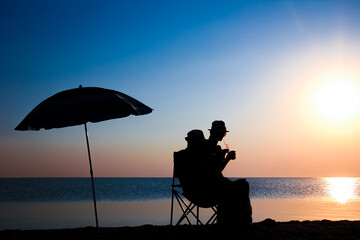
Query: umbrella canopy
[{"x": 79, "y": 106}]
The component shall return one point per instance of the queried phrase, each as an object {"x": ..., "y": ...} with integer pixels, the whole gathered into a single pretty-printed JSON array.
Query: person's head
[
  {"x": 218, "y": 130},
  {"x": 195, "y": 138}
]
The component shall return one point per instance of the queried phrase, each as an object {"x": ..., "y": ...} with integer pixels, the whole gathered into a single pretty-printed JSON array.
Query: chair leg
[
  {"x": 213, "y": 217},
  {"x": 185, "y": 214},
  {"x": 197, "y": 215},
  {"x": 187, "y": 209},
  {"x": 172, "y": 207}
]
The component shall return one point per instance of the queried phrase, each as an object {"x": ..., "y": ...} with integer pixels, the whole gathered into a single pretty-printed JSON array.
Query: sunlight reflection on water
[
  {"x": 341, "y": 189},
  {"x": 53, "y": 203}
]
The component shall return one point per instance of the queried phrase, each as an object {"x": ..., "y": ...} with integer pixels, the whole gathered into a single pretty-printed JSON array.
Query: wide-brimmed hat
[{"x": 218, "y": 125}]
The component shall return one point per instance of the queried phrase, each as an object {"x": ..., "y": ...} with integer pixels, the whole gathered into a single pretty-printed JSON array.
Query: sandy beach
[{"x": 268, "y": 229}]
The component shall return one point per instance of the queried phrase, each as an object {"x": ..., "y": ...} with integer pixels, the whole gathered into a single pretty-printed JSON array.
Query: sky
[{"x": 283, "y": 75}]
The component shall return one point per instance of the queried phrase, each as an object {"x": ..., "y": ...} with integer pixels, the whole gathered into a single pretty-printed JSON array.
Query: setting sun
[{"x": 337, "y": 100}]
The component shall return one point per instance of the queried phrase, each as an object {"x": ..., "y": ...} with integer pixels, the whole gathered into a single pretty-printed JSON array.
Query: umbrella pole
[{"x": 92, "y": 175}]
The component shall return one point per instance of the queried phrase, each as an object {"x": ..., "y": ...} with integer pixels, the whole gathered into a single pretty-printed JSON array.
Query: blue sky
[{"x": 191, "y": 61}]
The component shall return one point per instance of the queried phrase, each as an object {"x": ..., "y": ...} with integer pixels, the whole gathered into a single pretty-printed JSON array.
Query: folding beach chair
[{"x": 190, "y": 207}]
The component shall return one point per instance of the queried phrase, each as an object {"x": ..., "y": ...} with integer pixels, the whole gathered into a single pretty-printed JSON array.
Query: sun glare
[
  {"x": 341, "y": 189},
  {"x": 337, "y": 100}
]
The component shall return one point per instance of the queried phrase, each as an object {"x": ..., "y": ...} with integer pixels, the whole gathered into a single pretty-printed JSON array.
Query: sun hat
[
  {"x": 218, "y": 125},
  {"x": 195, "y": 134}
]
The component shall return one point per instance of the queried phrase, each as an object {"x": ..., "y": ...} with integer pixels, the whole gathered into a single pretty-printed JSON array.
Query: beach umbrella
[{"x": 79, "y": 106}]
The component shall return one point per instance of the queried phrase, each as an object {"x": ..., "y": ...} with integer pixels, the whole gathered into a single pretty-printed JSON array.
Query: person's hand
[
  {"x": 224, "y": 152},
  {"x": 231, "y": 155}
]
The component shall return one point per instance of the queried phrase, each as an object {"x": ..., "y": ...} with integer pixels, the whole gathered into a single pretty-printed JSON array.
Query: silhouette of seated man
[
  {"x": 234, "y": 205},
  {"x": 199, "y": 169}
]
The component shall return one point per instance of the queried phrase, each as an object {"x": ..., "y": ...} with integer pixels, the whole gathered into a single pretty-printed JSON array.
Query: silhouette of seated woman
[
  {"x": 199, "y": 169},
  {"x": 193, "y": 173}
]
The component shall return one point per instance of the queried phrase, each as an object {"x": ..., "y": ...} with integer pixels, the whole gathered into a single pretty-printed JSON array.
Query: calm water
[
  {"x": 128, "y": 189},
  {"x": 30, "y": 203}
]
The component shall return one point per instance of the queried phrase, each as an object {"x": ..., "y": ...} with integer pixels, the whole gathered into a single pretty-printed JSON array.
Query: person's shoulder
[
  {"x": 180, "y": 153},
  {"x": 207, "y": 144}
]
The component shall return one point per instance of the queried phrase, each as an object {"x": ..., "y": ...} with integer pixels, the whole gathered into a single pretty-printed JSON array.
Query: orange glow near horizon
[{"x": 304, "y": 121}]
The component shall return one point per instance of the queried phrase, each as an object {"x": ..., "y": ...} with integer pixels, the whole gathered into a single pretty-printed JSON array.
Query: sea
[{"x": 52, "y": 203}]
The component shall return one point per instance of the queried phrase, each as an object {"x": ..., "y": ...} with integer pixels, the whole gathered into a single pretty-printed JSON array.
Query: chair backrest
[
  {"x": 196, "y": 188},
  {"x": 178, "y": 165}
]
